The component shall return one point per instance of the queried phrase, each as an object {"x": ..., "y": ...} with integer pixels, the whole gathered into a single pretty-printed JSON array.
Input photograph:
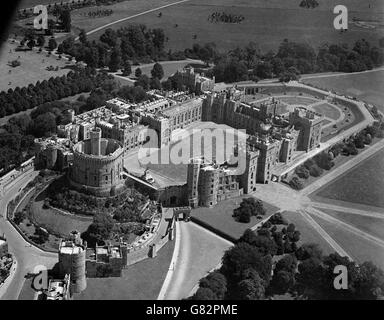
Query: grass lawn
[
  {"x": 363, "y": 184},
  {"x": 298, "y": 100},
  {"x": 141, "y": 281},
  {"x": 266, "y": 22},
  {"x": 308, "y": 234},
  {"x": 32, "y": 68},
  {"x": 358, "y": 248},
  {"x": 220, "y": 216},
  {"x": 371, "y": 225},
  {"x": 328, "y": 110},
  {"x": 368, "y": 87},
  {"x": 56, "y": 222}
]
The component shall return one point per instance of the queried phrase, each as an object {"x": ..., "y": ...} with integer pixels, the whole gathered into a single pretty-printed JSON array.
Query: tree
[
  {"x": 244, "y": 216},
  {"x": 302, "y": 172},
  {"x": 138, "y": 72},
  {"x": 100, "y": 229},
  {"x": 282, "y": 281},
  {"x": 52, "y": 44},
  {"x": 241, "y": 257},
  {"x": 296, "y": 184},
  {"x": 251, "y": 288},
  {"x": 204, "y": 294},
  {"x": 115, "y": 61},
  {"x": 65, "y": 19},
  {"x": 315, "y": 171},
  {"x": 83, "y": 37},
  {"x": 216, "y": 282},
  {"x": 127, "y": 70},
  {"x": 44, "y": 125},
  {"x": 157, "y": 71}
]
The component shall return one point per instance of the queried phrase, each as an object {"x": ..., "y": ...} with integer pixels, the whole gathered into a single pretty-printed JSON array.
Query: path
[
  {"x": 305, "y": 77},
  {"x": 27, "y": 256},
  {"x": 200, "y": 252}
]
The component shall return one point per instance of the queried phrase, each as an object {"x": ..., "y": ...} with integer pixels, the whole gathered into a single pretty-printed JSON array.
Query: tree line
[
  {"x": 289, "y": 61},
  {"x": 134, "y": 43}
]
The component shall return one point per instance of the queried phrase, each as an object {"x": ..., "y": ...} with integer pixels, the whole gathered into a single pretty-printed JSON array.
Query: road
[
  {"x": 338, "y": 74},
  {"x": 27, "y": 257},
  {"x": 133, "y": 16},
  {"x": 200, "y": 252}
]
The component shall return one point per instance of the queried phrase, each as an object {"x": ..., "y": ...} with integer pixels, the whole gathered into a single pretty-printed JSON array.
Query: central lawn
[
  {"x": 220, "y": 217},
  {"x": 141, "y": 281},
  {"x": 363, "y": 184}
]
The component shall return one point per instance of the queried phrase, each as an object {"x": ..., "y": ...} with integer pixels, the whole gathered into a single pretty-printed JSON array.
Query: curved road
[
  {"x": 200, "y": 252},
  {"x": 27, "y": 256}
]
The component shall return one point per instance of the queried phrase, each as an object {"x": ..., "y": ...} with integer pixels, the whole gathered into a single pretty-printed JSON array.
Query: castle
[{"x": 98, "y": 139}]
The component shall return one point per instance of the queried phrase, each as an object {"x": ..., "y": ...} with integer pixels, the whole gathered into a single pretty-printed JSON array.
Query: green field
[
  {"x": 368, "y": 86},
  {"x": 220, "y": 216},
  {"x": 33, "y": 67},
  {"x": 358, "y": 248},
  {"x": 363, "y": 184},
  {"x": 266, "y": 22},
  {"x": 328, "y": 110},
  {"x": 371, "y": 225}
]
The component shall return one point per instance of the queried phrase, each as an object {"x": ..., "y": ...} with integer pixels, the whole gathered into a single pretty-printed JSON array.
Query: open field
[
  {"x": 141, "y": 281},
  {"x": 220, "y": 216},
  {"x": 358, "y": 248},
  {"x": 371, "y": 225},
  {"x": 367, "y": 86},
  {"x": 363, "y": 184},
  {"x": 266, "y": 23},
  {"x": 33, "y": 67},
  {"x": 308, "y": 234}
]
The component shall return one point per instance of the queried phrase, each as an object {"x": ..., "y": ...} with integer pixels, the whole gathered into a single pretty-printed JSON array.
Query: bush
[
  {"x": 309, "y": 163},
  {"x": 302, "y": 172},
  {"x": 296, "y": 184},
  {"x": 277, "y": 218},
  {"x": 315, "y": 171}
]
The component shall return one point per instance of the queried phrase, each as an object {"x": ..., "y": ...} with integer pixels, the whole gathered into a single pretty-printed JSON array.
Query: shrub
[
  {"x": 315, "y": 171},
  {"x": 302, "y": 172},
  {"x": 309, "y": 163},
  {"x": 296, "y": 184}
]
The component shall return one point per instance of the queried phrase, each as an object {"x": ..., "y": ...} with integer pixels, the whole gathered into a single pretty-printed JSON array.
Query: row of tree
[
  {"x": 290, "y": 60},
  {"x": 21, "y": 99},
  {"x": 325, "y": 160},
  {"x": 134, "y": 43}
]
